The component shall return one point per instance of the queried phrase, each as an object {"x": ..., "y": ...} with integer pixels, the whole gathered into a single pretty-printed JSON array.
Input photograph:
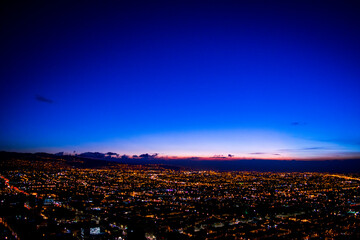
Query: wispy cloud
[
  {"x": 346, "y": 141},
  {"x": 313, "y": 148},
  {"x": 298, "y": 123},
  {"x": 257, "y": 153},
  {"x": 303, "y": 149},
  {"x": 43, "y": 99}
]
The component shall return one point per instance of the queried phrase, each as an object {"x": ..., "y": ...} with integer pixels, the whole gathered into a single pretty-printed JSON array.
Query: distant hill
[{"x": 7, "y": 158}]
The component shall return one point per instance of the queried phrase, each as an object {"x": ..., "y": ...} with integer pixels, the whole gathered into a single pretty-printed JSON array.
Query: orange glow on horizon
[{"x": 208, "y": 158}]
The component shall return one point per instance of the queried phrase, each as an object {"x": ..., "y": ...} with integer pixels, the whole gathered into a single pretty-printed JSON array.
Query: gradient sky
[{"x": 257, "y": 79}]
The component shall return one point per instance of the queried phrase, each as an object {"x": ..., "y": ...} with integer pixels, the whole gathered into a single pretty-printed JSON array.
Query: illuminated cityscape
[
  {"x": 179, "y": 119},
  {"x": 48, "y": 197}
]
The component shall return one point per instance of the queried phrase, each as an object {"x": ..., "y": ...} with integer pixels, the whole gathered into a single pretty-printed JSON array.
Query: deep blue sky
[{"x": 250, "y": 78}]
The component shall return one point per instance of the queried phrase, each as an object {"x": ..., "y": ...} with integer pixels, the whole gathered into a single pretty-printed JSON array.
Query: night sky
[{"x": 256, "y": 79}]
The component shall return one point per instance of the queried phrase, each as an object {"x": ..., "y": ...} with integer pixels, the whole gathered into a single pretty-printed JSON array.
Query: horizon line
[{"x": 157, "y": 156}]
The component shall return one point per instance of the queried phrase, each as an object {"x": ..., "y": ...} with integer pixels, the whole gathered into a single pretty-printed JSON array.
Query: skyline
[{"x": 252, "y": 79}]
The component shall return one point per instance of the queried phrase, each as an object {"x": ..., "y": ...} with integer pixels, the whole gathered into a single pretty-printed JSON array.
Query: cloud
[
  {"x": 43, "y": 99},
  {"x": 313, "y": 148},
  {"x": 148, "y": 156},
  {"x": 298, "y": 123},
  {"x": 346, "y": 141},
  {"x": 303, "y": 149},
  {"x": 277, "y": 154},
  {"x": 258, "y": 153},
  {"x": 354, "y": 154}
]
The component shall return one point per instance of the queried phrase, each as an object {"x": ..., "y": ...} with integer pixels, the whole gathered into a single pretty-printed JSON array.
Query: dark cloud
[
  {"x": 277, "y": 154},
  {"x": 112, "y": 154},
  {"x": 97, "y": 155},
  {"x": 43, "y": 99},
  {"x": 148, "y": 156},
  {"x": 258, "y": 153}
]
